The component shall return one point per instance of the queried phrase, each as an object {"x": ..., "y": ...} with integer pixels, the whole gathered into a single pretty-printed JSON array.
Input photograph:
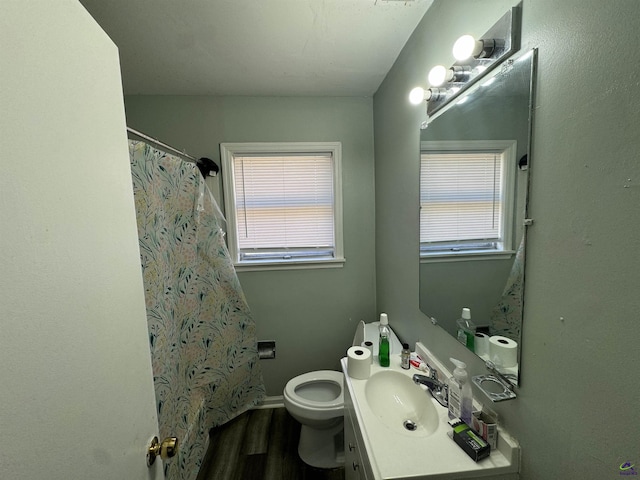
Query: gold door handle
[{"x": 167, "y": 449}]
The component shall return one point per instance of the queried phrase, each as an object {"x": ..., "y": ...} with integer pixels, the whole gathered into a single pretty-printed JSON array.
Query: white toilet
[{"x": 316, "y": 400}]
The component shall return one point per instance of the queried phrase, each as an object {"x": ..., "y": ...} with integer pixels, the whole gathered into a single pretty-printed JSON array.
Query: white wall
[
  {"x": 76, "y": 391},
  {"x": 576, "y": 415}
]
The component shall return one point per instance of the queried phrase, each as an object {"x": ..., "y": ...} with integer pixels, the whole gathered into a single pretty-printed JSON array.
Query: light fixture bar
[{"x": 498, "y": 43}]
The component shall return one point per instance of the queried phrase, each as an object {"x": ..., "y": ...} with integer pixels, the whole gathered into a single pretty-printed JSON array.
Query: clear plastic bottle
[
  {"x": 460, "y": 396},
  {"x": 384, "y": 349}
]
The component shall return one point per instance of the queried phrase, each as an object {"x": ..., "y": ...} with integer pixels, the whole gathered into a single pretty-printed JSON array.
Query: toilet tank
[{"x": 371, "y": 332}]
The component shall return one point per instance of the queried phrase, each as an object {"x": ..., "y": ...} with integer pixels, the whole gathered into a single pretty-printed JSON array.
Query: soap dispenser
[
  {"x": 460, "y": 397},
  {"x": 384, "y": 350}
]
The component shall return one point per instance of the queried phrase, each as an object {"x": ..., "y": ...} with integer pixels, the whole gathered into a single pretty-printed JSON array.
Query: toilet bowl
[{"x": 316, "y": 400}]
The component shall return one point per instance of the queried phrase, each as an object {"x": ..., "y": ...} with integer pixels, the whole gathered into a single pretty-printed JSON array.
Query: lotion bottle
[
  {"x": 460, "y": 397},
  {"x": 384, "y": 349}
]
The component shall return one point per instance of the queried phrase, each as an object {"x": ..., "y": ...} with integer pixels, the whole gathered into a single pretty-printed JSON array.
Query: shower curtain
[
  {"x": 506, "y": 316},
  {"x": 202, "y": 336}
]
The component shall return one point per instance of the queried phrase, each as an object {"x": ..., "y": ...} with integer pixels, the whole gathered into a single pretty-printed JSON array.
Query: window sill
[
  {"x": 466, "y": 256},
  {"x": 297, "y": 265}
]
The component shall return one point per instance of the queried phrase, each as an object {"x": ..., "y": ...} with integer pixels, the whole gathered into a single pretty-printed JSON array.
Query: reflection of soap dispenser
[
  {"x": 466, "y": 330},
  {"x": 460, "y": 397},
  {"x": 384, "y": 350}
]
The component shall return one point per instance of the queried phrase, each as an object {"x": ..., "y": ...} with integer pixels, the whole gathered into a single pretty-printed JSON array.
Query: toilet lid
[{"x": 318, "y": 376}]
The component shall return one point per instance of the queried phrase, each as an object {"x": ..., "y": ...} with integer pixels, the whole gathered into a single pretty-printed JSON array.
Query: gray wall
[
  {"x": 311, "y": 314},
  {"x": 577, "y": 411}
]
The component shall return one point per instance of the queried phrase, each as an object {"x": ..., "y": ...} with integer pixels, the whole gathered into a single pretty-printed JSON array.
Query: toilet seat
[{"x": 312, "y": 377}]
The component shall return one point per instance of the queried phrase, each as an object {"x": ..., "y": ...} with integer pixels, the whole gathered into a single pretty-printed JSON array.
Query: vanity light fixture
[{"x": 474, "y": 59}]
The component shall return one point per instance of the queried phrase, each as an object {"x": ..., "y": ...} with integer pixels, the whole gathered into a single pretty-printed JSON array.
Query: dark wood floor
[{"x": 260, "y": 445}]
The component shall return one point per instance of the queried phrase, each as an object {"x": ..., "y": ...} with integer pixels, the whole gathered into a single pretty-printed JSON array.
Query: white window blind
[
  {"x": 462, "y": 201},
  {"x": 285, "y": 203}
]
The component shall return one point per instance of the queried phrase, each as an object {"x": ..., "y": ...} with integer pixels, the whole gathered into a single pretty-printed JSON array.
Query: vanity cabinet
[
  {"x": 356, "y": 462},
  {"x": 353, "y": 469}
]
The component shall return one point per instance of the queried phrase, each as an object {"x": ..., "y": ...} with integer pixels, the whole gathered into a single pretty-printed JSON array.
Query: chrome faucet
[{"x": 437, "y": 389}]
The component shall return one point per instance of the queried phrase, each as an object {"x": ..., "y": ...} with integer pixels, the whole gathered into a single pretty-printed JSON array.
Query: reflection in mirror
[
  {"x": 492, "y": 386},
  {"x": 473, "y": 199}
]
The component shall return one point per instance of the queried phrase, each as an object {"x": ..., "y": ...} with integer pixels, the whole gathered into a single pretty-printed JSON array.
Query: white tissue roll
[
  {"x": 359, "y": 362},
  {"x": 481, "y": 344},
  {"x": 369, "y": 345},
  {"x": 503, "y": 351}
]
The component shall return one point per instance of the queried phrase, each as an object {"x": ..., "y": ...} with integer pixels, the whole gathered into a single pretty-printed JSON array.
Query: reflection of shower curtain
[
  {"x": 506, "y": 316},
  {"x": 202, "y": 335}
]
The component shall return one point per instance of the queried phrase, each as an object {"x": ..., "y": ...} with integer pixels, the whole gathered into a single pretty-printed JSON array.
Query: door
[{"x": 76, "y": 388}]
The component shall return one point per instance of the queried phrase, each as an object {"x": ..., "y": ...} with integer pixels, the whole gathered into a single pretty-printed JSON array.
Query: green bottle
[{"x": 384, "y": 349}]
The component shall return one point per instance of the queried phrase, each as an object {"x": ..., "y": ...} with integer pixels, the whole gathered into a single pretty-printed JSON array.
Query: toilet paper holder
[
  {"x": 266, "y": 349},
  {"x": 495, "y": 385}
]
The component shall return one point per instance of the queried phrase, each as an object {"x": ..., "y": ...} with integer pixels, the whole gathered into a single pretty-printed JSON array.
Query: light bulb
[
  {"x": 437, "y": 75},
  {"x": 464, "y": 48},
  {"x": 416, "y": 95}
]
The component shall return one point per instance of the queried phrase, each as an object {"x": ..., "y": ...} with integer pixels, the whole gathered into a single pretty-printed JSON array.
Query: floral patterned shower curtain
[
  {"x": 202, "y": 335},
  {"x": 506, "y": 316}
]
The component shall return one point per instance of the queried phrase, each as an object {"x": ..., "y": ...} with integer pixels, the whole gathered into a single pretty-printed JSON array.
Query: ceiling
[{"x": 257, "y": 47}]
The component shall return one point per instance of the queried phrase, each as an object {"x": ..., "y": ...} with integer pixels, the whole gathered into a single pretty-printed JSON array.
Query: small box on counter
[
  {"x": 469, "y": 440},
  {"x": 486, "y": 424}
]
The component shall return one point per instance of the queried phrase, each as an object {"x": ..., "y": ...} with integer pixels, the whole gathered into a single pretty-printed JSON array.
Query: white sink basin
[{"x": 400, "y": 404}]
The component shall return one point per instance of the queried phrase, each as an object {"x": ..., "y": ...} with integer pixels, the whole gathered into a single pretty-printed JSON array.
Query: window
[
  {"x": 466, "y": 199},
  {"x": 284, "y": 204}
]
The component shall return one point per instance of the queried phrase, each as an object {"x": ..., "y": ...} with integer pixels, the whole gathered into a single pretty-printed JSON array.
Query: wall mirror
[{"x": 473, "y": 216}]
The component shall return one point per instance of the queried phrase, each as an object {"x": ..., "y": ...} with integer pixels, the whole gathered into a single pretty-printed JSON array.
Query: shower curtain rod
[{"x": 161, "y": 144}]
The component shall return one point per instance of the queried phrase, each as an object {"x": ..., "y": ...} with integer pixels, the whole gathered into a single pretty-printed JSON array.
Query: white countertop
[{"x": 397, "y": 454}]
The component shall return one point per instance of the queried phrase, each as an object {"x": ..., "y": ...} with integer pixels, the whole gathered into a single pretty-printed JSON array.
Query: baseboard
[{"x": 276, "y": 401}]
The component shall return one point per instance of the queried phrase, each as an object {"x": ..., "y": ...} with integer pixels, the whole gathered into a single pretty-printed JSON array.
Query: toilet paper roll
[
  {"x": 358, "y": 362},
  {"x": 369, "y": 345},
  {"x": 481, "y": 344},
  {"x": 503, "y": 351}
]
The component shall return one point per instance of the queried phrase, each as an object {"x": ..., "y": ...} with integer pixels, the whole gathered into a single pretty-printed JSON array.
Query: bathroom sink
[
  {"x": 400, "y": 404},
  {"x": 376, "y": 409}
]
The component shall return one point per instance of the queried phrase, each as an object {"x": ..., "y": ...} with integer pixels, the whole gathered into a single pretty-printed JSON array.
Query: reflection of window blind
[
  {"x": 460, "y": 197},
  {"x": 284, "y": 202}
]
